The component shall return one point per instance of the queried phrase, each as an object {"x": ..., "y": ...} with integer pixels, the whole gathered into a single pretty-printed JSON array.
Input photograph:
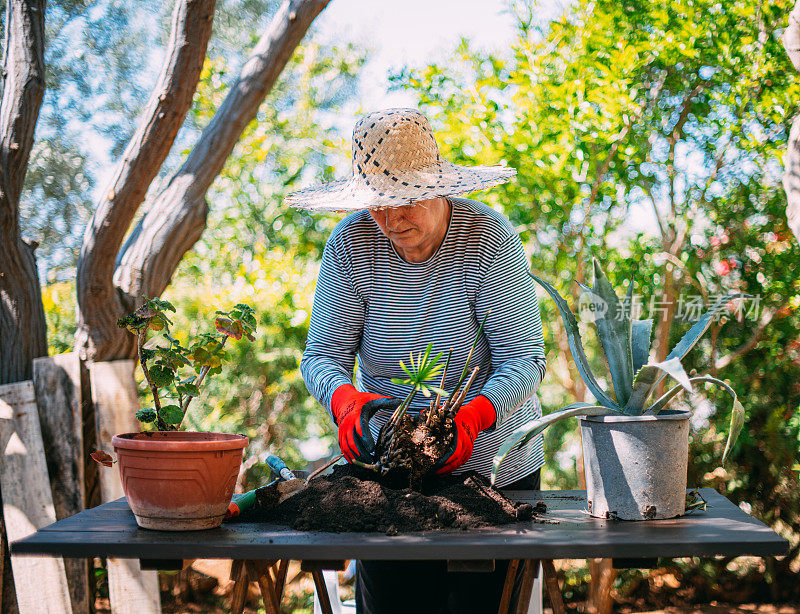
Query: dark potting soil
[{"x": 351, "y": 499}]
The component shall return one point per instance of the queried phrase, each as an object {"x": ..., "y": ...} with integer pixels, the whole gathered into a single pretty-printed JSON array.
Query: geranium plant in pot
[
  {"x": 178, "y": 480},
  {"x": 635, "y": 449}
]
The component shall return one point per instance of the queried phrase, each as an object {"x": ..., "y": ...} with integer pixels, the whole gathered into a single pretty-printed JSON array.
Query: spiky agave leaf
[
  {"x": 692, "y": 336},
  {"x": 697, "y": 330},
  {"x": 532, "y": 428},
  {"x": 737, "y": 412},
  {"x": 648, "y": 377},
  {"x": 640, "y": 342},
  {"x": 613, "y": 327},
  {"x": 576, "y": 345}
]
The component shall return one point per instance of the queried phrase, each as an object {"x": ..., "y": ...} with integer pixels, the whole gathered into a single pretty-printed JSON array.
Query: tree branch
[
  {"x": 675, "y": 135},
  {"x": 655, "y": 91},
  {"x": 99, "y": 304},
  {"x": 177, "y": 216},
  {"x": 766, "y": 318},
  {"x": 791, "y": 178}
]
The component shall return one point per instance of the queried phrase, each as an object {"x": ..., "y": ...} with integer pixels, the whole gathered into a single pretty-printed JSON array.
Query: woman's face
[{"x": 416, "y": 230}]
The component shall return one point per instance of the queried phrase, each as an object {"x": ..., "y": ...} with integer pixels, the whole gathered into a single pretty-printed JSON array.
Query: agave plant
[{"x": 626, "y": 345}]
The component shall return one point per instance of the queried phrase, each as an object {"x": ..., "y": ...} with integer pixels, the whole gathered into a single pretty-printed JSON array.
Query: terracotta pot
[{"x": 179, "y": 481}]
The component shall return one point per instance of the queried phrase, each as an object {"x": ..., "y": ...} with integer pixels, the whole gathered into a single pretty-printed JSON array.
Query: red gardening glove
[
  {"x": 352, "y": 410},
  {"x": 473, "y": 417}
]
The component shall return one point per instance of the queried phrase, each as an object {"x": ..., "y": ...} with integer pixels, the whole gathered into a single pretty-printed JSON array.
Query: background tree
[
  {"x": 110, "y": 283},
  {"x": 22, "y": 323}
]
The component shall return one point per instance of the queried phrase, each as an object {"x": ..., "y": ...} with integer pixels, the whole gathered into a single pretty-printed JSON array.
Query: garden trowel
[{"x": 287, "y": 483}]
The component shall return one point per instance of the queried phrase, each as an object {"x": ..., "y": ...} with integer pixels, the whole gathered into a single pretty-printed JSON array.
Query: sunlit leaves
[{"x": 205, "y": 356}]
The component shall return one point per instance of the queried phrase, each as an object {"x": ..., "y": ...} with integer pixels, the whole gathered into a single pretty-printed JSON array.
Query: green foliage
[{"x": 421, "y": 370}]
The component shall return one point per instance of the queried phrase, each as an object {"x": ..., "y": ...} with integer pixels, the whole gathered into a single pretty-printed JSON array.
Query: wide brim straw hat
[{"x": 396, "y": 162}]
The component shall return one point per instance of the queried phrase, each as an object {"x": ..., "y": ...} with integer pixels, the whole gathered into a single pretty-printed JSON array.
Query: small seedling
[{"x": 413, "y": 445}]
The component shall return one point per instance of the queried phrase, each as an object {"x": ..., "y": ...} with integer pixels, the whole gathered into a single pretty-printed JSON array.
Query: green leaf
[
  {"x": 699, "y": 328},
  {"x": 189, "y": 389},
  {"x": 463, "y": 375},
  {"x": 161, "y": 375},
  {"x": 691, "y": 337},
  {"x": 737, "y": 412},
  {"x": 532, "y": 428},
  {"x": 614, "y": 332},
  {"x": 575, "y": 344},
  {"x": 230, "y": 328},
  {"x": 640, "y": 343},
  {"x": 147, "y": 415},
  {"x": 648, "y": 377},
  {"x": 171, "y": 414}
]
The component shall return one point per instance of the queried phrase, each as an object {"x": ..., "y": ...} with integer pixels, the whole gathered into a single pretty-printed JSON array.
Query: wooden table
[{"x": 260, "y": 551}]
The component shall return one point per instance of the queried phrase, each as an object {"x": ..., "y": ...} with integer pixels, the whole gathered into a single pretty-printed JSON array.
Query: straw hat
[{"x": 396, "y": 162}]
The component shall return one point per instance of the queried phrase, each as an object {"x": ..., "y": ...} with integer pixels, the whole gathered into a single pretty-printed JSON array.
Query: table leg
[
  {"x": 272, "y": 603},
  {"x": 322, "y": 591},
  {"x": 280, "y": 576},
  {"x": 508, "y": 587},
  {"x": 530, "y": 571},
  {"x": 551, "y": 582},
  {"x": 239, "y": 576}
]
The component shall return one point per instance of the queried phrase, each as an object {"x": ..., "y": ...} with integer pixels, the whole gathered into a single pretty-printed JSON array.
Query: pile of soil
[{"x": 352, "y": 499}]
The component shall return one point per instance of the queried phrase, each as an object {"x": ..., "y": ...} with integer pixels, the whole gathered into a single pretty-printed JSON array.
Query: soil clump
[{"x": 352, "y": 499}]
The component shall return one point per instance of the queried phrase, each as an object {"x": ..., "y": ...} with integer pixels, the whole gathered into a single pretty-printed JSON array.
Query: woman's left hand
[{"x": 473, "y": 417}]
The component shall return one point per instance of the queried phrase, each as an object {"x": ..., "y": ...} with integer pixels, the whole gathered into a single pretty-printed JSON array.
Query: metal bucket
[{"x": 636, "y": 466}]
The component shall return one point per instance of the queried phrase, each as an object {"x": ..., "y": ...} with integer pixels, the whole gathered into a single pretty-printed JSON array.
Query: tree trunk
[
  {"x": 176, "y": 218},
  {"x": 100, "y": 305},
  {"x": 791, "y": 177},
  {"x": 22, "y": 323}
]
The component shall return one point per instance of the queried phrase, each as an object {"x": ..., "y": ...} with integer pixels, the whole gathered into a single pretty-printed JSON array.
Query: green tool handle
[{"x": 241, "y": 503}]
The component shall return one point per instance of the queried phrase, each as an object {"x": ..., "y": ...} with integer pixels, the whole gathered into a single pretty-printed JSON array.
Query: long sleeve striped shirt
[{"x": 373, "y": 306}]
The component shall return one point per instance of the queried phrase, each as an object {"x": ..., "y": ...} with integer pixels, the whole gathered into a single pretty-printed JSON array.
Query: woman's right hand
[{"x": 352, "y": 410}]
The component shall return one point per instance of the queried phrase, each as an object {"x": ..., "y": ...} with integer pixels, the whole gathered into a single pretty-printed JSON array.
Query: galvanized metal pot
[{"x": 636, "y": 466}]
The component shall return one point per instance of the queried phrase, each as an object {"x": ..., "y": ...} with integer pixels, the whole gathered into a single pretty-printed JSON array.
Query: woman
[{"x": 414, "y": 265}]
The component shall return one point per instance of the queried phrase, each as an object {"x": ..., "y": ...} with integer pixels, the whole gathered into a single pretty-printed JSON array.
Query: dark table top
[{"x": 723, "y": 529}]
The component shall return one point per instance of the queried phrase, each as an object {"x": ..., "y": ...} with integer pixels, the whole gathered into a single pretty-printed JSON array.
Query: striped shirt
[{"x": 372, "y": 305}]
